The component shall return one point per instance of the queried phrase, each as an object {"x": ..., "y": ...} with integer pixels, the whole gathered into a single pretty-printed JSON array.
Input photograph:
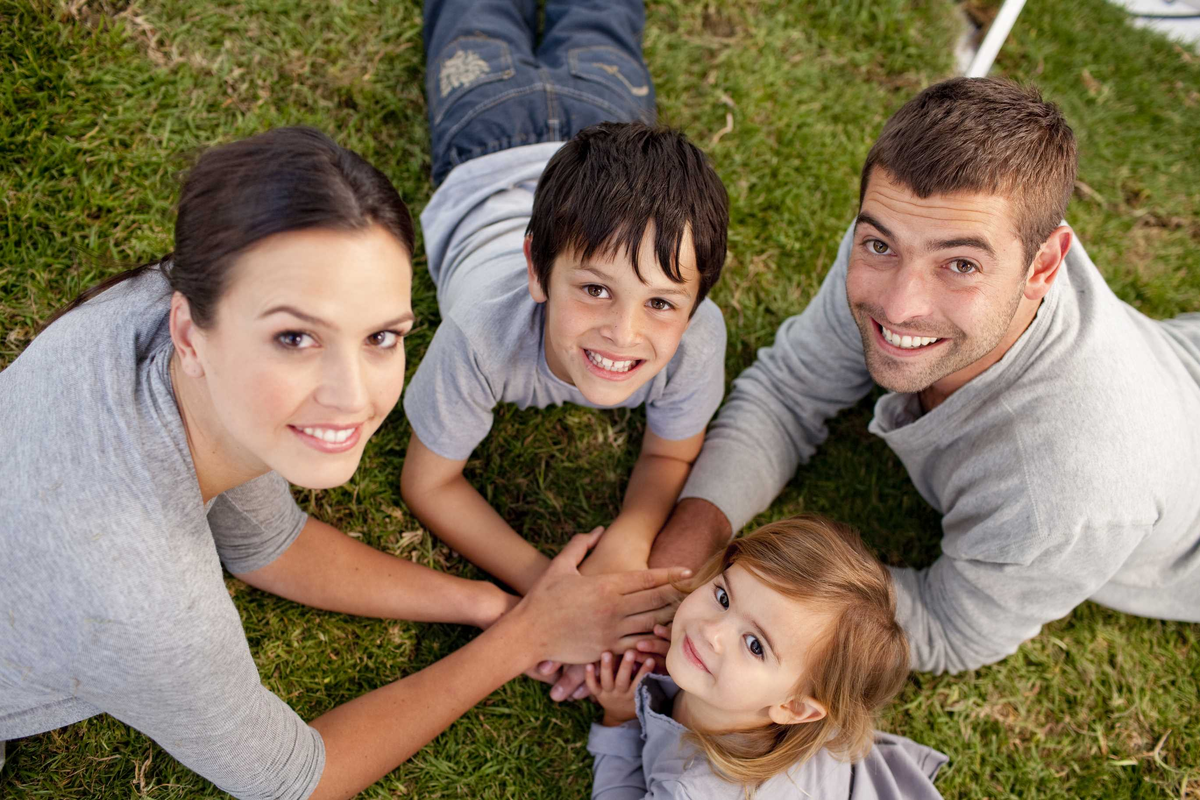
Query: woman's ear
[
  {"x": 185, "y": 335},
  {"x": 798, "y": 711}
]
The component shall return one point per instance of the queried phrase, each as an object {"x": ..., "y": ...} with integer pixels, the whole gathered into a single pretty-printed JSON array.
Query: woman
[{"x": 149, "y": 434}]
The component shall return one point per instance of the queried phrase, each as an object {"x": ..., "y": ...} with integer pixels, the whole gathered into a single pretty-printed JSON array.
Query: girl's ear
[
  {"x": 798, "y": 711},
  {"x": 184, "y": 335}
]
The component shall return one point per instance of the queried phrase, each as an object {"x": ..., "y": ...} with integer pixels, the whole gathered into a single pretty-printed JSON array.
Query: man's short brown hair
[{"x": 983, "y": 135}]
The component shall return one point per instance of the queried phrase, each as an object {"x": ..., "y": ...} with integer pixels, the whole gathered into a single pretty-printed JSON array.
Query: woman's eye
[
  {"x": 596, "y": 291},
  {"x": 659, "y": 304},
  {"x": 878, "y": 247},
  {"x": 722, "y": 597},
  {"x": 384, "y": 340},
  {"x": 294, "y": 340},
  {"x": 754, "y": 645},
  {"x": 962, "y": 267}
]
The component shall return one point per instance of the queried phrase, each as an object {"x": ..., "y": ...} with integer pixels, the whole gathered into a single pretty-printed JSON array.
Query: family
[{"x": 153, "y": 427}]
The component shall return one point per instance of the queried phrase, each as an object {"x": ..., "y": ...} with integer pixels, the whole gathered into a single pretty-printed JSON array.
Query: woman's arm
[
  {"x": 325, "y": 568},
  {"x": 565, "y": 617}
]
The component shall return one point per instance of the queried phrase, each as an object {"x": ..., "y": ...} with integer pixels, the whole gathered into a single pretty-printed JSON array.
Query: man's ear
[
  {"x": 186, "y": 335},
  {"x": 796, "y": 712},
  {"x": 1049, "y": 258},
  {"x": 536, "y": 291}
]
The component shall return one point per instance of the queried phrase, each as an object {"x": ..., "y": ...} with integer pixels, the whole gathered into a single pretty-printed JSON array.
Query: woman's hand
[{"x": 616, "y": 693}]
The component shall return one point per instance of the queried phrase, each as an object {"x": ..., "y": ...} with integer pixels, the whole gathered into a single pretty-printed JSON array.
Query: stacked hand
[{"x": 616, "y": 693}]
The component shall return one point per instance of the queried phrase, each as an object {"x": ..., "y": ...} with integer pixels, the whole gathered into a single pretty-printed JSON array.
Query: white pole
[{"x": 981, "y": 64}]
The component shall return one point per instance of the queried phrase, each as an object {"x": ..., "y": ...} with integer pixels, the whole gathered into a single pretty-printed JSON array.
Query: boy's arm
[
  {"x": 436, "y": 491},
  {"x": 657, "y": 479}
]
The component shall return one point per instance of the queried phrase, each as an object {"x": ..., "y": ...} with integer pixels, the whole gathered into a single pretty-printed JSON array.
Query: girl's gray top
[
  {"x": 112, "y": 598},
  {"x": 648, "y": 758}
]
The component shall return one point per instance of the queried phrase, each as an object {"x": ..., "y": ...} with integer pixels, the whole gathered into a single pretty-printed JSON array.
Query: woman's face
[{"x": 305, "y": 355}]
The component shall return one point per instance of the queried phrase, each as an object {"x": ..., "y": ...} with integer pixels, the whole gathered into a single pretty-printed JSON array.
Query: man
[{"x": 1056, "y": 428}]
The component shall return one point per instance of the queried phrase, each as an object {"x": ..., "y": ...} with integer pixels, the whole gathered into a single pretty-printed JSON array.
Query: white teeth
[
  {"x": 611, "y": 366},
  {"x": 331, "y": 436},
  {"x": 907, "y": 342}
]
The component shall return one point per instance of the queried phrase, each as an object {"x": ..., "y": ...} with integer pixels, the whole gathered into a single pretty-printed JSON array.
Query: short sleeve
[
  {"x": 254, "y": 523},
  {"x": 695, "y": 379},
  {"x": 449, "y": 401}
]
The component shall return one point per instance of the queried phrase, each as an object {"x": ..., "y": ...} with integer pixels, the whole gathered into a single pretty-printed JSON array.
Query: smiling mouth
[
  {"x": 328, "y": 440},
  {"x": 905, "y": 341},
  {"x": 612, "y": 369},
  {"x": 689, "y": 650}
]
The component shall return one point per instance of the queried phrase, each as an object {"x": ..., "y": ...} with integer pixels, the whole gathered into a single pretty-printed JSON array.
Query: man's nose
[{"x": 909, "y": 295}]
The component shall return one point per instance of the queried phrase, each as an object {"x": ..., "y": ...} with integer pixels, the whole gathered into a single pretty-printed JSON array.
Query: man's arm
[
  {"x": 436, "y": 491},
  {"x": 324, "y": 568},
  {"x": 696, "y": 530},
  {"x": 657, "y": 478}
]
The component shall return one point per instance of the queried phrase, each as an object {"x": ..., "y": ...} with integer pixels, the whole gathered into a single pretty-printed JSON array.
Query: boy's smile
[{"x": 607, "y": 331}]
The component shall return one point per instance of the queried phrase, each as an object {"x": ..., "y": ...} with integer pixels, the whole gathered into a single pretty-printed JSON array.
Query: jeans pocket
[
  {"x": 466, "y": 63},
  {"x": 611, "y": 67}
]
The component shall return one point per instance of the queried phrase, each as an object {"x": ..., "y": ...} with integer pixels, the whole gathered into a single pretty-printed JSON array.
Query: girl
[
  {"x": 781, "y": 654},
  {"x": 148, "y": 436}
]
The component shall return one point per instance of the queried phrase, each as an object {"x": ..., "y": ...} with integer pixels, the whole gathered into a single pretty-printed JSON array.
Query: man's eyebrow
[
  {"x": 311, "y": 320},
  {"x": 757, "y": 627},
  {"x": 874, "y": 223},
  {"x": 978, "y": 242},
  {"x": 669, "y": 290}
]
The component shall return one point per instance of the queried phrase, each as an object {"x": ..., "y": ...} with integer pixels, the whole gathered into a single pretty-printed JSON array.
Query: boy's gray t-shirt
[
  {"x": 112, "y": 598},
  {"x": 488, "y": 348}
]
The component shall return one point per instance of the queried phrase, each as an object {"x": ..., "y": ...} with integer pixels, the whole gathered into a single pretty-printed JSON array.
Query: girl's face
[
  {"x": 305, "y": 356},
  {"x": 739, "y": 648}
]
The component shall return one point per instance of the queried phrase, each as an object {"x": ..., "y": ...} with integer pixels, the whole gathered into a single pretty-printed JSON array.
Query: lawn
[{"x": 103, "y": 103}]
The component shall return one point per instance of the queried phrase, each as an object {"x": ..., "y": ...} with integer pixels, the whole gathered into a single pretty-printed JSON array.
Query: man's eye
[
  {"x": 384, "y": 340},
  {"x": 293, "y": 340},
  {"x": 596, "y": 291},
  {"x": 962, "y": 267},
  {"x": 754, "y": 645},
  {"x": 722, "y": 597},
  {"x": 659, "y": 304},
  {"x": 878, "y": 247}
]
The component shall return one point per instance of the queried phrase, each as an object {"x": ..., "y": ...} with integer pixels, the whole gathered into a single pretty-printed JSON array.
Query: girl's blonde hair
[{"x": 861, "y": 662}]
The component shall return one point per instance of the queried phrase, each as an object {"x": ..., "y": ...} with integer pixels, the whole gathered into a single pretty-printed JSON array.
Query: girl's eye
[
  {"x": 722, "y": 597},
  {"x": 960, "y": 266},
  {"x": 658, "y": 304},
  {"x": 596, "y": 291},
  {"x": 878, "y": 247},
  {"x": 294, "y": 340},
  {"x": 384, "y": 340},
  {"x": 754, "y": 645}
]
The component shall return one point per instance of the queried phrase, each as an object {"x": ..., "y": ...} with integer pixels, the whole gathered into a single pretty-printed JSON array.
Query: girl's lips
[
  {"x": 323, "y": 446},
  {"x": 689, "y": 650}
]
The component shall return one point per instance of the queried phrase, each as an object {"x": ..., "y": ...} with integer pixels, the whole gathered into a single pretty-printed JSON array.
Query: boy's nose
[{"x": 622, "y": 329}]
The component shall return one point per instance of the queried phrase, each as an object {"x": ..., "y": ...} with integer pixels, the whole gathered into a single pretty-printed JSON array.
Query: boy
[{"x": 569, "y": 272}]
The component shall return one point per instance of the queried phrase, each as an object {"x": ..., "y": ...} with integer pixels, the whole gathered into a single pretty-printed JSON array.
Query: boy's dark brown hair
[
  {"x": 603, "y": 188},
  {"x": 983, "y": 135}
]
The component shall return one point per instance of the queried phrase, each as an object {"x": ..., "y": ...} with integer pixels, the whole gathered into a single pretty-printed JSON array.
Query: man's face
[
  {"x": 607, "y": 331},
  {"x": 935, "y": 284}
]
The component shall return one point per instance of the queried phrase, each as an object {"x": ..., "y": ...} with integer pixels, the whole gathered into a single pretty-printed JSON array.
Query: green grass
[{"x": 103, "y": 103}]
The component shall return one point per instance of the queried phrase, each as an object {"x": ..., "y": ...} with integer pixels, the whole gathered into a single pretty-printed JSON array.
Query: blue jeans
[{"x": 489, "y": 88}]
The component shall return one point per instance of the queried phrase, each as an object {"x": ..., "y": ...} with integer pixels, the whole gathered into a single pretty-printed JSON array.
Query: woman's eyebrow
[{"x": 311, "y": 320}]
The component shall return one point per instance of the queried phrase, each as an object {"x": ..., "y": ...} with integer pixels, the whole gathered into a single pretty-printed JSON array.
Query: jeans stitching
[{"x": 505, "y": 73}]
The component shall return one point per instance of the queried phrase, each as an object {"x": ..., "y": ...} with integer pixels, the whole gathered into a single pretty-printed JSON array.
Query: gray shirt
[
  {"x": 489, "y": 347},
  {"x": 1068, "y": 470},
  {"x": 648, "y": 758},
  {"x": 112, "y": 598}
]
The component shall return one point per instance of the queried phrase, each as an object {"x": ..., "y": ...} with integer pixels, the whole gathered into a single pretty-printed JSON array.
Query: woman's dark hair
[{"x": 237, "y": 194}]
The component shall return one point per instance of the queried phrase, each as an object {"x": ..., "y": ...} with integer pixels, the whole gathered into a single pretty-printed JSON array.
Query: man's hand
[{"x": 616, "y": 693}]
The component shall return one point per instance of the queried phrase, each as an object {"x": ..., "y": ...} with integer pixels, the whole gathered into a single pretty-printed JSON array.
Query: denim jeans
[{"x": 489, "y": 88}]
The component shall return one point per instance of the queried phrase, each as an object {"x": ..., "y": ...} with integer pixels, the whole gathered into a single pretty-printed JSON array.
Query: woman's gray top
[
  {"x": 647, "y": 758},
  {"x": 112, "y": 598}
]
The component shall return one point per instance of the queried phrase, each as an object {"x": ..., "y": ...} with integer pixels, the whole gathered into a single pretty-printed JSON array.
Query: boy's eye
[
  {"x": 753, "y": 644},
  {"x": 658, "y": 304},
  {"x": 960, "y": 266},
  {"x": 878, "y": 247},
  {"x": 595, "y": 290},
  {"x": 384, "y": 340},
  {"x": 294, "y": 340},
  {"x": 721, "y": 596}
]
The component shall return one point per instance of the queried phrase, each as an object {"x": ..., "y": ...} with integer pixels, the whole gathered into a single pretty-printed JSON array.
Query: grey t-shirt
[
  {"x": 1068, "y": 470},
  {"x": 648, "y": 758},
  {"x": 488, "y": 349},
  {"x": 112, "y": 598}
]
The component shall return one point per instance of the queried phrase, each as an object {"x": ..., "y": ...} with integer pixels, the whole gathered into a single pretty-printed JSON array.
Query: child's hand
[{"x": 616, "y": 693}]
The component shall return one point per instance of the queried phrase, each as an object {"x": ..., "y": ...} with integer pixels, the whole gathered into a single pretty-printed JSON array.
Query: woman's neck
[{"x": 219, "y": 463}]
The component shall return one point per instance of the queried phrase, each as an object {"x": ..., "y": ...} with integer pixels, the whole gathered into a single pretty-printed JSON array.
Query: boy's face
[{"x": 607, "y": 331}]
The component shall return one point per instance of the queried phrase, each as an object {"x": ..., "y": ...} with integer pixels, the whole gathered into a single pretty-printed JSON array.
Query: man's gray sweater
[{"x": 1067, "y": 471}]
